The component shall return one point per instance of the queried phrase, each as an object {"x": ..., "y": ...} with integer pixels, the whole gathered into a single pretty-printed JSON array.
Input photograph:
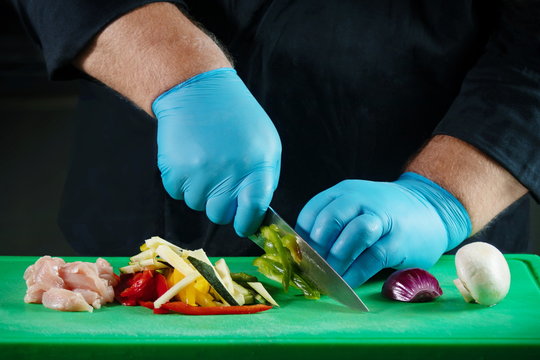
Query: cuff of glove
[
  {"x": 221, "y": 72},
  {"x": 453, "y": 214}
]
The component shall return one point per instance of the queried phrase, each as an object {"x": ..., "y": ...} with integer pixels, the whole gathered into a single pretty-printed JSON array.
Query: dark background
[{"x": 36, "y": 137}]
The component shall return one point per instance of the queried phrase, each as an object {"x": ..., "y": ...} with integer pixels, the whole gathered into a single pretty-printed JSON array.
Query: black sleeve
[
  {"x": 498, "y": 107},
  {"x": 62, "y": 28}
]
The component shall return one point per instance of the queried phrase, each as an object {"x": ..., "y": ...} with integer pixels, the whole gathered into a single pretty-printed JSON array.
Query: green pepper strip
[
  {"x": 274, "y": 270},
  {"x": 243, "y": 277},
  {"x": 270, "y": 233},
  {"x": 289, "y": 241}
]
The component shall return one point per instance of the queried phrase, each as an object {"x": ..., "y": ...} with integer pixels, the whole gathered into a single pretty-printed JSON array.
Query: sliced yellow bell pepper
[
  {"x": 174, "y": 277},
  {"x": 202, "y": 285},
  {"x": 188, "y": 295},
  {"x": 205, "y": 299}
]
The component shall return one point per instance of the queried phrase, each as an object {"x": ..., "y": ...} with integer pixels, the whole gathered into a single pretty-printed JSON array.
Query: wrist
[
  {"x": 223, "y": 73},
  {"x": 483, "y": 186},
  {"x": 149, "y": 50},
  {"x": 453, "y": 214}
]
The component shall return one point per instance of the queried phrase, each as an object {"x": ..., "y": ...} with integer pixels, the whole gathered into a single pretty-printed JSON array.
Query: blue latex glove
[
  {"x": 218, "y": 149},
  {"x": 361, "y": 227}
]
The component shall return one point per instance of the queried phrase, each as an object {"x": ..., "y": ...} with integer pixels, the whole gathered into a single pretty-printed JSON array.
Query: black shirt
[{"x": 354, "y": 89}]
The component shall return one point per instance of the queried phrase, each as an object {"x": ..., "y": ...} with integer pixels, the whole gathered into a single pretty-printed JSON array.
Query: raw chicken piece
[
  {"x": 63, "y": 286},
  {"x": 80, "y": 275},
  {"x": 106, "y": 272},
  {"x": 65, "y": 300},
  {"x": 90, "y": 296},
  {"x": 42, "y": 276}
]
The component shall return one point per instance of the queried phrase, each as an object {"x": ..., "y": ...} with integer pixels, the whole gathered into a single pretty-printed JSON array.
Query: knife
[{"x": 313, "y": 266}]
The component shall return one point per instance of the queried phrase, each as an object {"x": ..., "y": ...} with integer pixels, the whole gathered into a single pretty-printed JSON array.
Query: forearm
[
  {"x": 148, "y": 51},
  {"x": 483, "y": 186}
]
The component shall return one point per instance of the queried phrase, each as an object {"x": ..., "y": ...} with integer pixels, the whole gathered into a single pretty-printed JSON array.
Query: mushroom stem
[{"x": 463, "y": 291}]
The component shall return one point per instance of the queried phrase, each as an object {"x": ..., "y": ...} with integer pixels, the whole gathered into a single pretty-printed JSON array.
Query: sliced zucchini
[
  {"x": 155, "y": 241},
  {"x": 175, "y": 260},
  {"x": 131, "y": 269},
  {"x": 144, "y": 255},
  {"x": 209, "y": 273},
  {"x": 242, "y": 277},
  {"x": 225, "y": 274},
  {"x": 258, "y": 287},
  {"x": 237, "y": 291},
  {"x": 152, "y": 264}
]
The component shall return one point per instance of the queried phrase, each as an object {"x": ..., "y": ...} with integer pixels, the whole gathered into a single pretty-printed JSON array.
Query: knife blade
[{"x": 313, "y": 266}]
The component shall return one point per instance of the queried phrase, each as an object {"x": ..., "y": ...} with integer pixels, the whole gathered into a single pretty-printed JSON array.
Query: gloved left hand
[{"x": 361, "y": 227}]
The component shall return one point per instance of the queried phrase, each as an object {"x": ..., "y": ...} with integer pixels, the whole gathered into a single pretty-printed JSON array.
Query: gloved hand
[
  {"x": 218, "y": 149},
  {"x": 361, "y": 227}
]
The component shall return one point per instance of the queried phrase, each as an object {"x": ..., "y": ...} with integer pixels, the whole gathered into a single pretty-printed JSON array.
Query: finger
[
  {"x": 359, "y": 234},
  {"x": 173, "y": 185},
  {"x": 384, "y": 253},
  {"x": 254, "y": 197},
  {"x": 221, "y": 209},
  {"x": 195, "y": 194},
  {"x": 330, "y": 222},
  {"x": 308, "y": 215}
]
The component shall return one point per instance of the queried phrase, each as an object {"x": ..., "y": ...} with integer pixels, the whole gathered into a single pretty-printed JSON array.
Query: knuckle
[
  {"x": 369, "y": 227},
  {"x": 330, "y": 217},
  {"x": 346, "y": 184},
  {"x": 339, "y": 255}
]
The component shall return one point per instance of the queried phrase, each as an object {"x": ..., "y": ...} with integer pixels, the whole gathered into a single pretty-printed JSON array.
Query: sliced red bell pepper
[
  {"x": 116, "y": 278},
  {"x": 161, "y": 284},
  {"x": 143, "y": 288},
  {"x": 183, "y": 308},
  {"x": 150, "y": 305},
  {"x": 126, "y": 280}
]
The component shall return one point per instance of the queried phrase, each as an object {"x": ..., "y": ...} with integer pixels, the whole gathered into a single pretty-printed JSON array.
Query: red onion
[{"x": 412, "y": 285}]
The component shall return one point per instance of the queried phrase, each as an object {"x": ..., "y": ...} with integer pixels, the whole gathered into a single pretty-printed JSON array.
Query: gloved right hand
[{"x": 217, "y": 149}]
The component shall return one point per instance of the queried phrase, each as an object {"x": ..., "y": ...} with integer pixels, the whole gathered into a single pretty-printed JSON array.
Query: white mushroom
[{"x": 484, "y": 276}]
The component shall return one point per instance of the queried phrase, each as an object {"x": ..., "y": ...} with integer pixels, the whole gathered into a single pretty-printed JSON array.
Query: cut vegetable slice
[
  {"x": 271, "y": 235},
  {"x": 258, "y": 287},
  {"x": 210, "y": 274},
  {"x": 241, "y": 277},
  {"x": 238, "y": 292},
  {"x": 131, "y": 269},
  {"x": 152, "y": 262},
  {"x": 180, "y": 307},
  {"x": 175, "y": 289},
  {"x": 149, "y": 264},
  {"x": 155, "y": 241},
  {"x": 225, "y": 274},
  {"x": 147, "y": 254},
  {"x": 274, "y": 270},
  {"x": 150, "y": 305},
  {"x": 175, "y": 260}
]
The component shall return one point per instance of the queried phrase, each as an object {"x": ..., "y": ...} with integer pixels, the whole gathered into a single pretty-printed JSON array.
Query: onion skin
[
  {"x": 483, "y": 273},
  {"x": 412, "y": 285}
]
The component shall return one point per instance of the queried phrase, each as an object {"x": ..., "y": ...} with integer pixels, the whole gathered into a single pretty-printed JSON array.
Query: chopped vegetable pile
[
  {"x": 280, "y": 260},
  {"x": 165, "y": 277}
]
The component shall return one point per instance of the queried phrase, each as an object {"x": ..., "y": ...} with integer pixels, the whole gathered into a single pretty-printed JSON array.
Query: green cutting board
[{"x": 448, "y": 328}]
